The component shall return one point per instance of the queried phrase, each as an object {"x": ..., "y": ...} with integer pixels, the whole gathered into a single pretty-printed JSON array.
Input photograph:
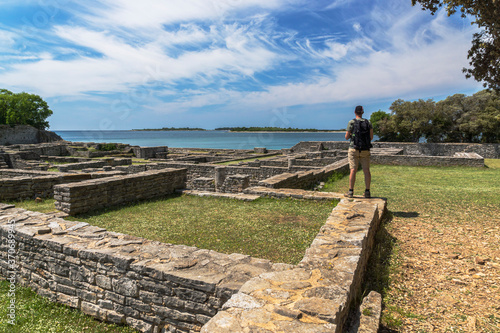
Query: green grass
[
  {"x": 492, "y": 164},
  {"x": 35, "y": 314},
  {"x": 278, "y": 230}
]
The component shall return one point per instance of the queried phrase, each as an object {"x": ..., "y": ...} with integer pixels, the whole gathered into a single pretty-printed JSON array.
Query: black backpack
[{"x": 361, "y": 135}]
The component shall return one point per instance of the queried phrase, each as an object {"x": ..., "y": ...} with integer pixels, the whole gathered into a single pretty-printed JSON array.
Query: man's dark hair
[{"x": 359, "y": 110}]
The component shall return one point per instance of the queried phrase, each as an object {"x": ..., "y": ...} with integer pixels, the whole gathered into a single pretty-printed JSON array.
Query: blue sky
[{"x": 123, "y": 64}]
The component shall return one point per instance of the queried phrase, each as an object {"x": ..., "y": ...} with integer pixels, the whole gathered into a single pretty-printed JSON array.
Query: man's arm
[
  {"x": 371, "y": 134},
  {"x": 348, "y": 131}
]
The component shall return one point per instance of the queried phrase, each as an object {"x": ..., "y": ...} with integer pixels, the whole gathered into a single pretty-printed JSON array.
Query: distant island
[
  {"x": 241, "y": 129},
  {"x": 171, "y": 129},
  {"x": 273, "y": 129}
]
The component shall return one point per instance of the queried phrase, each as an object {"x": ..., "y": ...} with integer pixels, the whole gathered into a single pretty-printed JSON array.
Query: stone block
[{"x": 125, "y": 287}]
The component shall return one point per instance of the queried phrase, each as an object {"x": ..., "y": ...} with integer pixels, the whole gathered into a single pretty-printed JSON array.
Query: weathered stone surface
[
  {"x": 316, "y": 295},
  {"x": 370, "y": 311},
  {"x": 77, "y": 198},
  {"x": 242, "y": 301}
]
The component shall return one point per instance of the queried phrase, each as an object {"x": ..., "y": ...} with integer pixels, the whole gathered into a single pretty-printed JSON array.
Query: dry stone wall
[
  {"x": 25, "y": 134},
  {"x": 29, "y": 185},
  {"x": 93, "y": 194},
  {"x": 156, "y": 287},
  {"x": 94, "y": 164},
  {"x": 316, "y": 295},
  {"x": 486, "y": 150},
  {"x": 470, "y": 160},
  {"x": 305, "y": 179},
  {"x": 118, "y": 278}
]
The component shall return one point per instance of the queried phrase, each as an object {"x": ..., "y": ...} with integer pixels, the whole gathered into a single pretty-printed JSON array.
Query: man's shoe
[
  {"x": 367, "y": 194},
  {"x": 349, "y": 194}
]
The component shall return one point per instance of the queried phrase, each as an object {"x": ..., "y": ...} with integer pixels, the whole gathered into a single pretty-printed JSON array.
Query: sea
[{"x": 202, "y": 139}]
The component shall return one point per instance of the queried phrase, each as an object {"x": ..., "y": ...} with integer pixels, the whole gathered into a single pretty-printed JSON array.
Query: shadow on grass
[
  {"x": 379, "y": 268},
  {"x": 406, "y": 214}
]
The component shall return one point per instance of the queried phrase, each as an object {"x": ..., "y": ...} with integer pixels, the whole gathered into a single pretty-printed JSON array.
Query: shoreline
[{"x": 319, "y": 131}]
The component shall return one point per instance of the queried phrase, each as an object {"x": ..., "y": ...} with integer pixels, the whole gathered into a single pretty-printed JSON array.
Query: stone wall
[
  {"x": 235, "y": 184},
  {"x": 25, "y": 134},
  {"x": 94, "y": 164},
  {"x": 52, "y": 149},
  {"x": 23, "y": 184},
  {"x": 119, "y": 278},
  {"x": 150, "y": 152},
  {"x": 316, "y": 295},
  {"x": 412, "y": 160},
  {"x": 153, "y": 286},
  {"x": 487, "y": 150},
  {"x": 77, "y": 198},
  {"x": 195, "y": 171},
  {"x": 11, "y": 173},
  {"x": 306, "y": 179}
]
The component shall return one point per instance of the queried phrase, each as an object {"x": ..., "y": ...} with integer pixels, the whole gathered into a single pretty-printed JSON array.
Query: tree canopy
[
  {"x": 458, "y": 118},
  {"x": 484, "y": 55},
  {"x": 23, "y": 109}
]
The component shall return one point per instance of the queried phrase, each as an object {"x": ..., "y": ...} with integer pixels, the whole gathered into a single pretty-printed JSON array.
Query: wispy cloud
[{"x": 231, "y": 54}]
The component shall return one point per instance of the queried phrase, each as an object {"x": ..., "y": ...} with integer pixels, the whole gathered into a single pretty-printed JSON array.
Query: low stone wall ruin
[
  {"x": 486, "y": 150},
  {"x": 94, "y": 164},
  {"x": 152, "y": 286},
  {"x": 306, "y": 179},
  {"x": 470, "y": 160},
  {"x": 23, "y": 184},
  {"x": 77, "y": 198},
  {"x": 316, "y": 295},
  {"x": 119, "y": 278}
]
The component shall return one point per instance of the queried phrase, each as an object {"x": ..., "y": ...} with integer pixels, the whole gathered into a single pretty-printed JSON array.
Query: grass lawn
[
  {"x": 278, "y": 230},
  {"x": 437, "y": 255}
]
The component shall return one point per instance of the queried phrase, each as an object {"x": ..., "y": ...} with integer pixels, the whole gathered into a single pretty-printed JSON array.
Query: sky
[{"x": 128, "y": 64}]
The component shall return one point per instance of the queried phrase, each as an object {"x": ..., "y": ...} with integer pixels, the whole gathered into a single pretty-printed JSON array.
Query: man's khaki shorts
[{"x": 358, "y": 156}]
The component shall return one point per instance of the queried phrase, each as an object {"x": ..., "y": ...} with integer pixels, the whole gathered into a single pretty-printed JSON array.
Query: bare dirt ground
[{"x": 449, "y": 279}]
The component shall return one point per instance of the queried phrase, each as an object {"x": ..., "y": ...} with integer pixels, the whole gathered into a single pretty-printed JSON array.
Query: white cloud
[
  {"x": 7, "y": 41},
  {"x": 338, "y": 3},
  {"x": 412, "y": 67},
  {"x": 134, "y": 14},
  {"x": 233, "y": 51}
]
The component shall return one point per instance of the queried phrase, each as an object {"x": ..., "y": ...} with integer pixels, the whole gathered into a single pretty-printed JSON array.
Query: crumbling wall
[
  {"x": 486, "y": 150},
  {"x": 119, "y": 278},
  {"x": 23, "y": 184},
  {"x": 77, "y": 198},
  {"x": 153, "y": 286},
  {"x": 25, "y": 134},
  {"x": 306, "y": 179},
  {"x": 467, "y": 159}
]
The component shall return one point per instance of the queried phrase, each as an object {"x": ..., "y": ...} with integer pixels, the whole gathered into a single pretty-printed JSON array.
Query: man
[{"x": 360, "y": 132}]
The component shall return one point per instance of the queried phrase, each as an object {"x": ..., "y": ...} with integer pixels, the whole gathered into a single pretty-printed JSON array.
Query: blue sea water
[{"x": 201, "y": 139}]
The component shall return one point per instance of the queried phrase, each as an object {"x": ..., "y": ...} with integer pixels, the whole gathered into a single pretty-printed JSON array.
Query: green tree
[
  {"x": 481, "y": 122},
  {"x": 5, "y": 98},
  {"x": 484, "y": 55},
  {"x": 380, "y": 122},
  {"x": 446, "y": 119},
  {"x": 409, "y": 121},
  {"x": 23, "y": 109}
]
